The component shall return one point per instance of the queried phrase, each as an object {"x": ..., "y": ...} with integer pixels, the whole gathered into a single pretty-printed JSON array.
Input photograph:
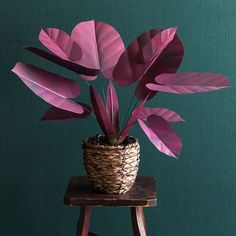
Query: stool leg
[
  {"x": 83, "y": 222},
  {"x": 138, "y": 221}
]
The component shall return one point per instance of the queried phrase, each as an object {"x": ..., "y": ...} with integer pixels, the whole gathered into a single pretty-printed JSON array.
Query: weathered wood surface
[
  {"x": 84, "y": 220},
  {"x": 143, "y": 194},
  {"x": 138, "y": 221}
]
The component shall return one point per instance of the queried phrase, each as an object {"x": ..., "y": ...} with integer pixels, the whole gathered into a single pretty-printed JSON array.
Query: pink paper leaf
[
  {"x": 56, "y": 114},
  {"x": 141, "y": 55},
  {"x": 168, "y": 62},
  {"x": 101, "y": 113},
  {"x": 165, "y": 113},
  {"x": 60, "y": 43},
  {"x": 186, "y": 83},
  {"x": 64, "y": 63},
  {"x": 112, "y": 105},
  {"x": 131, "y": 121},
  {"x": 162, "y": 135},
  {"x": 101, "y": 45},
  {"x": 52, "y": 88}
]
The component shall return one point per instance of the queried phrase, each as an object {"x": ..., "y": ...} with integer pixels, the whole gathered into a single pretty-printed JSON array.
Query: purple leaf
[
  {"x": 101, "y": 45},
  {"x": 101, "y": 114},
  {"x": 56, "y": 114},
  {"x": 168, "y": 62},
  {"x": 162, "y": 135},
  {"x": 60, "y": 43},
  {"x": 131, "y": 121},
  {"x": 52, "y": 88},
  {"x": 140, "y": 57},
  {"x": 64, "y": 63},
  {"x": 153, "y": 48},
  {"x": 186, "y": 83},
  {"x": 165, "y": 113},
  {"x": 112, "y": 105}
]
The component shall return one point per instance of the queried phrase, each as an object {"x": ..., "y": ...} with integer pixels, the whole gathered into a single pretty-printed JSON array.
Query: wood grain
[
  {"x": 138, "y": 221},
  {"x": 84, "y": 220},
  {"x": 143, "y": 194}
]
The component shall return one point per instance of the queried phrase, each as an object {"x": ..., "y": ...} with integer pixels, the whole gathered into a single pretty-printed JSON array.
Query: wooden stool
[{"x": 80, "y": 193}]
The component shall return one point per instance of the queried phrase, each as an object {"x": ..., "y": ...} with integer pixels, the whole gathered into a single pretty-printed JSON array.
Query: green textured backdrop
[{"x": 196, "y": 194}]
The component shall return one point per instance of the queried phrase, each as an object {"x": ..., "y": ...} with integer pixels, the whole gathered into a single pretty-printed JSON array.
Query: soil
[{"x": 101, "y": 140}]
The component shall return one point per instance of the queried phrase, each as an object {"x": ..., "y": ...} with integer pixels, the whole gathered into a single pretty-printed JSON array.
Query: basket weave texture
[{"x": 111, "y": 169}]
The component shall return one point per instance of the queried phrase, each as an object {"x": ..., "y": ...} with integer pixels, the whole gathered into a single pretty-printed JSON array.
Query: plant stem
[
  {"x": 103, "y": 91},
  {"x": 88, "y": 83},
  {"x": 127, "y": 113},
  {"x": 90, "y": 112}
]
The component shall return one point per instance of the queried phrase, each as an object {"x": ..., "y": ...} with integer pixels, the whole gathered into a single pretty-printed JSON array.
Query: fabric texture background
[{"x": 196, "y": 194}]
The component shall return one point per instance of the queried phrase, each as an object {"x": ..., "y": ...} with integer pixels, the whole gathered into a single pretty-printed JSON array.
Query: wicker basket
[{"x": 111, "y": 169}]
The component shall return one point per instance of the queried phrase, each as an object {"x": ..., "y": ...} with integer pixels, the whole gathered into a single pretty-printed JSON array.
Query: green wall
[{"x": 196, "y": 194}]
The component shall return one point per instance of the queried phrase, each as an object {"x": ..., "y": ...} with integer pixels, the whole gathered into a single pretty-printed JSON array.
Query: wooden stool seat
[{"x": 80, "y": 193}]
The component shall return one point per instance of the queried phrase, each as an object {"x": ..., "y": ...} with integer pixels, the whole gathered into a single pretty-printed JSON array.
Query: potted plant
[{"x": 150, "y": 61}]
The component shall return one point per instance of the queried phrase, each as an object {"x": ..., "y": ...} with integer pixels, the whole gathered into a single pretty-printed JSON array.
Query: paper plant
[{"x": 151, "y": 61}]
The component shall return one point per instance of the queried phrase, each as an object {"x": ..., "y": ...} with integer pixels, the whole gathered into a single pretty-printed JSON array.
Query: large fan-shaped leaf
[
  {"x": 101, "y": 114},
  {"x": 130, "y": 64},
  {"x": 165, "y": 113},
  {"x": 192, "y": 82},
  {"x": 56, "y": 114},
  {"x": 51, "y": 87},
  {"x": 168, "y": 62},
  {"x": 112, "y": 105},
  {"x": 162, "y": 135},
  {"x": 101, "y": 45},
  {"x": 64, "y": 63},
  {"x": 141, "y": 55},
  {"x": 60, "y": 43}
]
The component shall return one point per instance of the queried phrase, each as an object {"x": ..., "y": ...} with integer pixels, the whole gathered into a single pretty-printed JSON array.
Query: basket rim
[{"x": 86, "y": 143}]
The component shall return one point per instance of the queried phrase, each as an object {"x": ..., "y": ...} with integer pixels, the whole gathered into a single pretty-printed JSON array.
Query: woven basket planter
[{"x": 111, "y": 169}]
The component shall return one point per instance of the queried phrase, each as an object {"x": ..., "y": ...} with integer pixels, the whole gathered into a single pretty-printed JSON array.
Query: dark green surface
[{"x": 196, "y": 194}]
